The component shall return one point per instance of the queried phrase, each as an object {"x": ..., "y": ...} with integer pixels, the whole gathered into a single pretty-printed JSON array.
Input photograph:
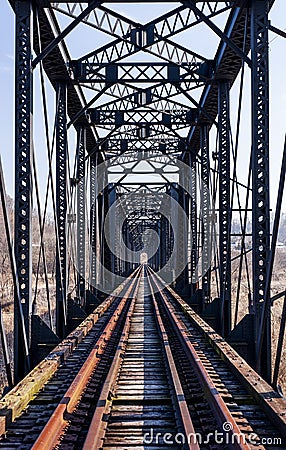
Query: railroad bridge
[{"x": 143, "y": 306}]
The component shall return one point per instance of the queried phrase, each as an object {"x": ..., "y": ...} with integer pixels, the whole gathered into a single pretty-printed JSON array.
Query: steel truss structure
[{"x": 142, "y": 104}]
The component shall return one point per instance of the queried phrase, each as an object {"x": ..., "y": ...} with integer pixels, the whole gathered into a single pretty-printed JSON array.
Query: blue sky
[{"x": 144, "y": 12}]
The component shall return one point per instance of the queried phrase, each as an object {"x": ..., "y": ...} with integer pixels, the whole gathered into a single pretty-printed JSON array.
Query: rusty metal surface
[
  {"x": 96, "y": 430},
  {"x": 174, "y": 380},
  {"x": 109, "y": 428},
  {"x": 41, "y": 380},
  {"x": 225, "y": 374},
  {"x": 270, "y": 401},
  {"x": 219, "y": 407},
  {"x": 142, "y": 397},
  {"x": 155, "y": 364},
  {"x": 54, "y": 428}
]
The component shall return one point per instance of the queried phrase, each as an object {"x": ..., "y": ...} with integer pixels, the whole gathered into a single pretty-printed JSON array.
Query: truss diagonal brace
[
  {"x": 215, "y": 28},
  {"x": 65, "y": 32}
]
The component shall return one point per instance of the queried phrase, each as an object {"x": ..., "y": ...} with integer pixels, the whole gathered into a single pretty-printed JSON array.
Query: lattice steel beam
[
  {"x": 168, "y": 118},
  {"x": 192, "y": 162},
  {"x": 166, "y": 50},
  {"x": 81, "y": 199},
  {"x": 23, "y": 197},
  {"x": 61, "y": 204},
  {"x": 60, "y": 37},
  {"x": 143, "y": 131},
  {"x": 226, "y": 62},
  {"x": 224, "y": 206},
  {"x": 206, "y": 211},
  {"x": 223, "y": 36},
  {"x": 94, "y": 223},
  {"x": 161, "y": 93},
  {"x": 152, "y": 145},
  {"x": 117, "y": 25},
  {"x": 142, "y": 37},
  {"x": 139, "y": 72},
  {"x": 260, "y": 173}
]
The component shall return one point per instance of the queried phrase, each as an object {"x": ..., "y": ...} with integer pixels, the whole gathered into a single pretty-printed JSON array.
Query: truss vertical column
[
  {"x": 174, "y": 226},
  {"x": 260, "y": 173},
  {"x": 101, "y": 215},
  {"x": 128, "y": 244},
  {"x": 205, "y": 201},
  {"x": 61, "y": 204},
  {"x": 163, "y": 242},
  {"x": 224, "y": 207},
  {"x": 93, "y": 223},
  {"x": 81, "y": 197},
  {"x": 158, "y": 253},
  {"x": 113, "y": 230},
  {"x": 183, "y": 227},
  {"x": 23, "y": 197},
  {"x": 193, "y": 223},
  {"x": 124, "y": 238}
]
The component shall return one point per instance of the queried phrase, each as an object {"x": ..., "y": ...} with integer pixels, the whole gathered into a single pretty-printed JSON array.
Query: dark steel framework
[
  {"x": 23, "y": 192},
  {"x": 224, "y": 206},
  {"x": 206, "y": 210},
  {"x": 163, "y": 119},
  {"x": 260, "y": 174},
  {"x": 61, "y": 204},
  {"x": 81, "y": 207}
]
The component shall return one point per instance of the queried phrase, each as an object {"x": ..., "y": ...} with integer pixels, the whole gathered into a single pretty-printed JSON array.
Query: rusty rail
[
  {"x": 14, "y": 403},
  {"x": 174, "y": 380},
  {"x": 270, "y": 401},
  {"x": 220, "y": 410},
  {"x": 95, "y": 434},
  {"x": 51, "y": 433}
]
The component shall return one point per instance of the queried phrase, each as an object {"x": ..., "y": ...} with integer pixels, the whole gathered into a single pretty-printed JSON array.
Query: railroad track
[
  {"x": 150, "y": 374},
  {"x": 26, "y": 409}
]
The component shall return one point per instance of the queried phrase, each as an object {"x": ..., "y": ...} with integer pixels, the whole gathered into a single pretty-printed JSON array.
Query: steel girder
[
  {"x": 227, "y": 64},
  {"x": 61, "y": 204},
  {"x": 163, "y": 27},
  {"x": 206, "y": 211},
  {"x": 224, "y": 206},
  {"x": 163, "y": 241},
  {"x": 109, "y": 197},
  {"x": 161, "y": 145},
  {"x": 141, "y": 39},
  {"x": 226, "y": 61},
  {"x": 192, "y": 161},
  {"x": 175, "y": 118},
  {"x": 260, "y": 174},
  {"x": 160, "y": 96},
  {"x": 154, "y": 37},
  {"x": 55, "y": 66},
  {"x": 81, "y": 206},
  {"x": 23, "y": 196},
  {"x": 94, "y": 223},
  {"x": 183, "y": 231},
  {"x": 142, "y": 72}
]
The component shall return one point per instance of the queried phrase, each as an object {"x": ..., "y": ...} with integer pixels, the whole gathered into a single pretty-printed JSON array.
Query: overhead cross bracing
[{"x": 143, "y": 158}]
